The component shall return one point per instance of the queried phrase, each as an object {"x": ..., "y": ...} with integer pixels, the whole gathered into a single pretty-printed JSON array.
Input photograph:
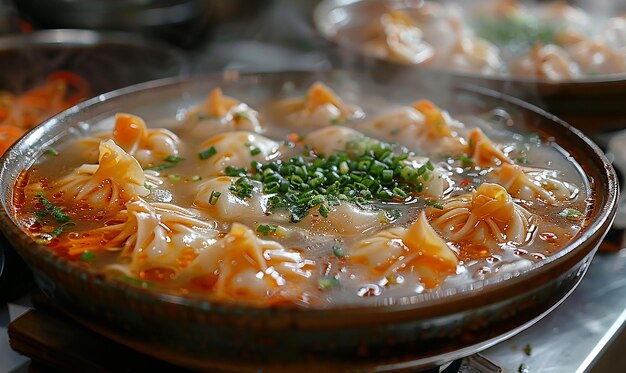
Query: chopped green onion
[
  {"x": 196, "y": 178},
  {"x": 433, "y": 203},
  {"x": 266, "y": 229},
  {"x": 87, "y": 256},
  {"x": 53, "y": 210},
  {"x": 328, "y": 283},
  {"x": 528, "y": 349},
  {"x": 242, "y": 188},
  {"x": 207, "y": 153},
  {"x": 323, "y": 210},
  {"x": 572, "y": 214},
  {"x": 338, "y": 251},
  {"x": 173, "y": 159},
  {"x": 174, "y": 177},
  {"x": 255, "y": 151},
  {"x": 202, "y": 116},
  {"x": 214, "y": 197},
  {"x": 51, "y": 151}
]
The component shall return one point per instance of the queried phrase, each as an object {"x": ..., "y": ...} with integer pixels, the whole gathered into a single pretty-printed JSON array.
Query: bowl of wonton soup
[
  {"x": 172, "y": 247},
  {"x": 568, "y": 59}
]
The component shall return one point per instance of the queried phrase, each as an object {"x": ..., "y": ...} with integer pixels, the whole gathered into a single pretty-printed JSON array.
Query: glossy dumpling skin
[
  {"x": 116, "y": 179},
  {"x": 319, "y": 107},
  {"x": 157, "y": 236},
  {"x": 597, "y": 57},
  {"x": 219, "y": 114},
  {"x": 236, "y": 149},
  {"x": 244, "y": 268},
  {"x": 474, "y": 54},
  {"x": 549, "y": 62},
  {"x": 230, "y": 207},
  {"x": 345, "y": 219},
  {"x": 487, "y": 217},
  {"x": 332, "y": 139},
  {"x": 396, "y": 36},
  {"x": 532, "y": 185},
  {"x": 148, "y": 146},
  {"x": 418, "y": 249},
  {"x": 483, "y": 151},
  {"x": 421, "y": 127}
]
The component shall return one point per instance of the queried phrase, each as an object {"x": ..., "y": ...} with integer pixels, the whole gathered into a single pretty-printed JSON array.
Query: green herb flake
[
  {"x": 173, "y": 159},
  {"x": 323, "y": 210},
  {"x": 214, "y": 197},
  {"x": 205, "y": 154},
  {"x": 51, "y": 151},
  {"x": 434, "y": 204},
  {"x": 53, "y": 210},
  {"x": 242, "y": 188},
  {"x": 59, "y": 230},
  {"x": 87, "y": 256},
  {"x": 338, "y": 251},
  {"x": 174, "y": 177},
  {"x": 572, "y": 214},
  {"x": 137, "y": 281},
  {"x": 328, "y": 283},
  {"x": 466, "y": 161},
  {"x": 255, "y": 151},
  {"x": 528, "y": 349},
  {"x": 266, "y": 229}
]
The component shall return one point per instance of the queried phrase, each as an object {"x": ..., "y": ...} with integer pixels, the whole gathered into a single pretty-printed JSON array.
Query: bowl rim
[
  {"x": 592, "y": 232},
  {"x": 328, "y": 30}
]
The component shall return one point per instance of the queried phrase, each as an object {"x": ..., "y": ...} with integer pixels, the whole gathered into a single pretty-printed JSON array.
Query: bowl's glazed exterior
[
  {"x": 593, "y": 103},
  {"x": 416, "y": 332}
]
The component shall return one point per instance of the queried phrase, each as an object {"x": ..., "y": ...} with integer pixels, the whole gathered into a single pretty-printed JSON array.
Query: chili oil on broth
[{"x": 324, "y": 270}]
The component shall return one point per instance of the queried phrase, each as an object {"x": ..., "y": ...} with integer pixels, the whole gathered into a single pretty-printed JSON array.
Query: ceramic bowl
[
  {"x": 421, "y": 331},
  {"x": 593, "y": 103}
]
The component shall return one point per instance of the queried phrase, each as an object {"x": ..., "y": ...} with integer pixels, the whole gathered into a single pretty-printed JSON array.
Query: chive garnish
[
  {"x": 328, "y": 283},
  {"x": 207, "y": 153},
  {"x": 572, "y": 214},
  {"x": 53, "y": 210},
  {"x": 255, "y": 151},
  {"x": 51, "y": 151},
  {"x": 173, "y": 158},
  {"x": 242, "y": 188},
  {"x": 266, "y": 229},
  {"x": 87, "y": 256},
  {"x": 214, "y": 197},
  {"x": 365, "y": 171},
  {"x": 338, "y": 251}
]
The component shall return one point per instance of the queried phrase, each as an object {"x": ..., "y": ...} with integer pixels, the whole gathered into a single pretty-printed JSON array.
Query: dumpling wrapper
[
  {"x": 487, "y": 217},
  {"x": 219, "y": 114},
  {"x": 116, "y": 178},
  {"x": 236, "y": 149},
  {"x": 418, "y": 249},
  {"x": 245, "y": 268}
]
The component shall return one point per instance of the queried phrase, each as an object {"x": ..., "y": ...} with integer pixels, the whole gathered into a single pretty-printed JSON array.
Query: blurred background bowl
[
  {"x": 106, "y": 60},
  {"x": 594, "y": 104}
]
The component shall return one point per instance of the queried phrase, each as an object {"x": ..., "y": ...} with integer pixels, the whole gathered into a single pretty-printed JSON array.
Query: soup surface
[
  {"x": 551, "y": 40},
  {"x": 312, "y": 201}
]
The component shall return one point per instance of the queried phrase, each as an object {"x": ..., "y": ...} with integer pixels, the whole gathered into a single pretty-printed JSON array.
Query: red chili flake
[
  {"x": 549, "y": 237},
  {"x": 465, "y": 182}
]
